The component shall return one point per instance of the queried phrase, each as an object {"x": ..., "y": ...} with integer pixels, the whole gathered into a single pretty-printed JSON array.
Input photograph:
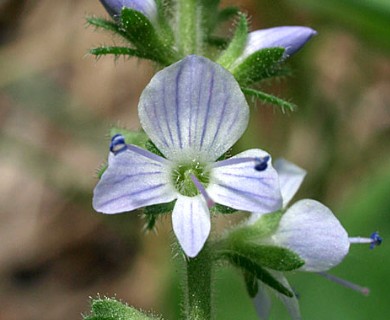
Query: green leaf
[
  {"x": 269, "y": 98},
  {"x": 111, "y": 309},
  {"x": 237, "y": 44},
  {"x": 251, "y": 282},
  {"x": 259, "y": 65},
  {"x": 105, "y": 25},
  {"x": 227, "y": 13},
  {"x": 272, "y": 257},
  {"x": 219, "y": 208},
  {"x": 138, "y": 138},
  {"x": 142, "y": 34},
  {"x": 150, "y": 146},
  {"x": 120, "y": 51},
  {"x": 161, "y": 208},
  {"x": 248, "y": 265}
]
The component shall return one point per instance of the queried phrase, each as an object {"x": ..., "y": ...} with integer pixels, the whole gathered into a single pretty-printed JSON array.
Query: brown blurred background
[{"x": 57, "y": 104}]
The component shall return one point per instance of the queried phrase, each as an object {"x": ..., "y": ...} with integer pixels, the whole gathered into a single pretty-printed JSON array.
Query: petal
[
  {"x": 191, "y": 223},
  {"x": 312, "y": 231},
  {"x": 263, "y": 302},
  {"x": 147, "y": 7},
  {"x": 291, "y": 304},
  {"x": 290, "y": 179},
  {"x": 193, "y": 109},
  {"x": 241, "y": 187},
  {"x": 290, "y": 38},
  {"x": 134, "y": 178}
]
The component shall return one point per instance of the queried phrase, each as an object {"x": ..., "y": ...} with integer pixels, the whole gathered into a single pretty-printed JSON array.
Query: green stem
[
  {"x": 189, "y": 25},
  {"x": 198, "y": 285}
]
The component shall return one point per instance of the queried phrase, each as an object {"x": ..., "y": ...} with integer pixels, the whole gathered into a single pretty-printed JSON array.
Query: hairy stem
[{"x": 198, "y": 285}]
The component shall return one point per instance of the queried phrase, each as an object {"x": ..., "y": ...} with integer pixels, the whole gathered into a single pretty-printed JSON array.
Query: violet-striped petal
[
  {"x": 134, "y": 178},
  {"x": 241, "y": 187},
  {"x": 146, "y": 7},
  {"x": 312, "y": 231},
  {"x": 290, "y": 179},
  {"x": 193, "y": 109},
  {"x": 191, "y": 223},
  {"x": 291, "y": 38}
]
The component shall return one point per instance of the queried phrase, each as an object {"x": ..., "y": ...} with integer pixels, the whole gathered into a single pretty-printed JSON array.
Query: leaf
[
  {"x": 237, "y": 44},
  {"x": 247, "y": 265},
  {"x": 142, "y": 34},
  {"x": 120, "y": 51},
  {"x": 269, "y": 98},
  {"x": 111, "y": 309},
  {"x": 259, "y": 65},
  {"x": 251, "y": 282}
]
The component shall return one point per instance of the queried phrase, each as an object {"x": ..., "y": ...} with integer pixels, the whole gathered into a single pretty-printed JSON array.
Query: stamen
[
  {"x": 345, "y": 283},
  {"x": 118, "y": 144},
  {"x": 374, "y": 240},
  {"x": 202, "y": 190},
  {"x": 261, "y": 163}
]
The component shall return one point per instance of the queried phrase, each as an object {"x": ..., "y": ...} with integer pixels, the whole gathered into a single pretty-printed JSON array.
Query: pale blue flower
[
  {"x": 147, "y": 7},
  {"x": 311, "y": 230},
  {"x": 291, "y": 38},
  {"x": 193, "y": 111}
]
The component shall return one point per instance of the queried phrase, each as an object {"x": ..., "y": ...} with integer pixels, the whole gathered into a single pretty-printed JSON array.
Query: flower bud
[{"x": 146, "y": 7}]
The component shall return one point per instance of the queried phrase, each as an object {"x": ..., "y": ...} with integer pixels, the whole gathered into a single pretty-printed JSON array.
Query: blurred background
[{"x": 57, "y": 105}]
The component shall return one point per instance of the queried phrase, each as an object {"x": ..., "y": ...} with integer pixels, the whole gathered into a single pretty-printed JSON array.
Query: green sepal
[
  {"x": 246, "y": 264},
  {"x": 160, "y": 208},
  {"x": 237, "y": 44},
  {"x": 227, "y": 13},
  {"x": 251, "y": 283},
  {"x": 153, "y": 212},
  {"x": 150, "y": 146},
  {"x": 264, "y": 226},
  {"x": 105, "y": 25},
  {"x": 142, "y": 34},
  {"x": 219, "y": 208},
  {"x": 272, "y": 257},
  {"x": 138, "y": 138},
  {"x": 112, "y": 309},
  {"x": 259, "y": 65},
  {"x": 103, "y": 167},
  {"x": 269, "y": 98},
  {"x": 119, "y": 51}
]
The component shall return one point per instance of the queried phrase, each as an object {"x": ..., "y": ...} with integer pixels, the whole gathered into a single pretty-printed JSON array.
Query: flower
[
  {"x": 147, "y": 7},
  {"x": 291, "y": 38},
  {"x": 309, "y": 229},
  {"x": 193, "y": 111}
]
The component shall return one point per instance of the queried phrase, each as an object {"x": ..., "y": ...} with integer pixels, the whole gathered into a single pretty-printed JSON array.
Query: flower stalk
[{"x": 198, "y": 286}]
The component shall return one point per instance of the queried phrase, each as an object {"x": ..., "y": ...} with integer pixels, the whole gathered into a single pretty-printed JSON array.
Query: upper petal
[
  {"x": 191, "y": 223},
  {"x": 193, "y": 109},
  {"x": 241, "y": 187},
  {"x": 290, "y": 179},
  {"x": 312, "y": 231},
  {"x": 290, "y": 38},
  {"x": 134, "y": 178}
]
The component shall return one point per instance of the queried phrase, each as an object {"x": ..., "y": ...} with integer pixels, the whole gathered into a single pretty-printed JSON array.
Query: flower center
[{"x": 183, "y": 182}]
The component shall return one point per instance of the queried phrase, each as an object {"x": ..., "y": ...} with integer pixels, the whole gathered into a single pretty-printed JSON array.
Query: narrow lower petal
[
  {"x": 263, "y": 302},
  {"x": 291, "y": 38},
  {"x": 290, "y": 179},
  {"x": 312, "y": 231},
  {"x": 191, "y": 223},
  {"x": 193, "y": 109},
  {"x": 291, "y": 304},
  {"x": 134, "y": 178},
  {"x": 240, "y": 186}
]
